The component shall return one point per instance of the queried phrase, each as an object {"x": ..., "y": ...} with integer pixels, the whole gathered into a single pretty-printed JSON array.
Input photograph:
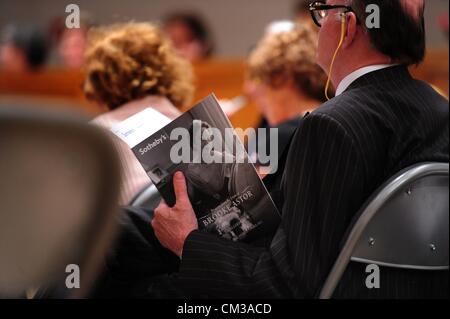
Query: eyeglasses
[{"x": 319, "y": 11}]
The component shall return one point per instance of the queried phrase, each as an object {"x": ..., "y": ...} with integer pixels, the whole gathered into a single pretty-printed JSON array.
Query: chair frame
[
  {"x": 143, "y": 196},
  {"x": 101, "y": 231},
  {"x": 371, "y": 208}
]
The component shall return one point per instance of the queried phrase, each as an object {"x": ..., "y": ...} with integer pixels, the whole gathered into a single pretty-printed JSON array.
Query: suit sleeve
[{"x": 322, "y": 186}]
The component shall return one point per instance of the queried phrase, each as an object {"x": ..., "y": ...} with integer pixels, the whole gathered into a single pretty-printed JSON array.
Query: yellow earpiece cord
[{"x": 341, "y": 41}]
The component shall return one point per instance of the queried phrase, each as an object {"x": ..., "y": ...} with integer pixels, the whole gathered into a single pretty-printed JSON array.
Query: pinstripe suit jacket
[{"x": 384, "y": 122}]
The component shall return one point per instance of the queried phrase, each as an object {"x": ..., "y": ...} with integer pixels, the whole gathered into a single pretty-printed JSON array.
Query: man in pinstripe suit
[{"x": 381, "y": 121}]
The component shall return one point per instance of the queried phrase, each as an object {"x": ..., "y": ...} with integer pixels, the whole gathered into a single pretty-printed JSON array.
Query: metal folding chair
[{"x": 405, "y": 224}]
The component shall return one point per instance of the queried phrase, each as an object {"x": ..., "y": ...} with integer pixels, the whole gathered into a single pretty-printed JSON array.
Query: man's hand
[{"x": 173, "y": 225}]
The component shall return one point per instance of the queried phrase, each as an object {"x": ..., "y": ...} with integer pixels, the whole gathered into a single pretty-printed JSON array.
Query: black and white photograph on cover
[{"x": 227, "y": 195}]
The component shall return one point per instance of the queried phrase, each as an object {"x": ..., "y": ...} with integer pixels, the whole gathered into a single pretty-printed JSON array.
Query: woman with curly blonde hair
[
  {"x": 131, "y": 67},
  {"x": 283, "y": 76},
  {"x": 285, "y": 82}
]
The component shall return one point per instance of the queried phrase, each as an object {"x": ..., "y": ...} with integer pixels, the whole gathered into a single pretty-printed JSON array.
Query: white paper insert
[{"x": 138, "y": 127}]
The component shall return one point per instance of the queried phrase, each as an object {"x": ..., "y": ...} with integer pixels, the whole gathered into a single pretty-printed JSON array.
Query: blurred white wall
[{"x": 236, "y": 24}]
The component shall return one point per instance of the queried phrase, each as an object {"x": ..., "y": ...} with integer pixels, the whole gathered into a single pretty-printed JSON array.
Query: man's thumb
[{"x": 180, "y": 188}]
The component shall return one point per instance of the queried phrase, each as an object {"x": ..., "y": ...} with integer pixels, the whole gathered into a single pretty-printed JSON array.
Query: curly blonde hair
[
  {"x": 289, "y": 54},
  {"x": 130, "y": 61}
]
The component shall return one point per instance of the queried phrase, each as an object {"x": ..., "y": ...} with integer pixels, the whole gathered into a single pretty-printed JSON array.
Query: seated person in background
[
  {"x": 443, "y": 23},
  {"x": 22, "y": 49},
  {"x": 190, "y": 36},
  {"x": 129, "y": 68},
  {"x": 72, "y": 45},
  {"x": 301, "y": 11},
  {"x": 284, "y": 79},
  {"x": 69, "y": 45}
]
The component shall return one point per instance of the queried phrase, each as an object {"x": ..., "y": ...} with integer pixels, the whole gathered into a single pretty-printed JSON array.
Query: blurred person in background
[
  {"x": 443, "y": 23},
  {"x": 72, "y": 46},
  {"x": 284, "y": 80},
  {"x": 131, "y": 67},
  {"x": 301, "y": 9},
  {"x": 23, "y": 49},
  {"x": 69, "y": 45},
  {"x": 190, "y": 35}
]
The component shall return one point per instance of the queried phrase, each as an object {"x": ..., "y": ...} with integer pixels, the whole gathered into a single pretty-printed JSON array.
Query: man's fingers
[
  {"x": 160, "y": 210},
  {"x": 179, "y": 185},
  {"x": 162, "y": 205}
]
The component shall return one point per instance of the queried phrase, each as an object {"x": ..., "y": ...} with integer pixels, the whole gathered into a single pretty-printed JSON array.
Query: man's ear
[{"x": 351, "y": 28}]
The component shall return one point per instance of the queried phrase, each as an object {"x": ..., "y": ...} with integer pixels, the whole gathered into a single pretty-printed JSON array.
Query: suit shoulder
[
  {"x": 339, "y": 109},
  {"x": 326, "y": 119},
  {"x": 352, "y": 113},
  {"x": 347, "y": 101}
]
